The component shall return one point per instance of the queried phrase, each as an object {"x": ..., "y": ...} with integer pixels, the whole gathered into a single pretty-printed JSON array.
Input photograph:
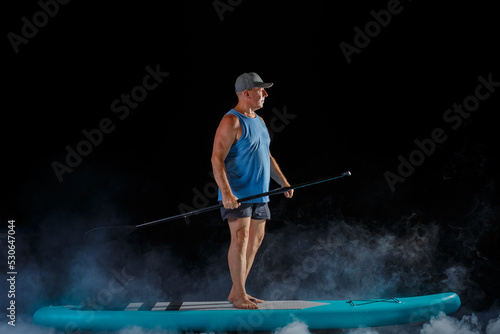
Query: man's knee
[
  {"x": 258, "y": 239},
  {"x": 239, "y": 231},
  {"x": 242, "y": 236},
  {"x": 257, "y": 232}
]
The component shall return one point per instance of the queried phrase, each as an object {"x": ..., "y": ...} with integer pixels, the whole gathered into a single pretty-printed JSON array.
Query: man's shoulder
[
  {"x": 230, "y": 116},
  {"x": 231, "y": 119}
]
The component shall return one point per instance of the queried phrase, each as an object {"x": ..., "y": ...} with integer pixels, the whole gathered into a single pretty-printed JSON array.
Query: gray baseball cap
[{"x": 249, "y": 81}]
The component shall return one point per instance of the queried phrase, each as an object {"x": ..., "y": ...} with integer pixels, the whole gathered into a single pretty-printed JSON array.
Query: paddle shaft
[{"x": 244, "y": 199}]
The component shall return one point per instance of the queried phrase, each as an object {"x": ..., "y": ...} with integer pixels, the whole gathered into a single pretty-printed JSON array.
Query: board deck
[
  {"x": 271, "y": 315},
  {"x": 220, "y": 305}
]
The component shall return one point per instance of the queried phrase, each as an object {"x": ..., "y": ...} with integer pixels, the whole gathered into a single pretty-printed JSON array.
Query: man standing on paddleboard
[{"x": 243, "y": 166}]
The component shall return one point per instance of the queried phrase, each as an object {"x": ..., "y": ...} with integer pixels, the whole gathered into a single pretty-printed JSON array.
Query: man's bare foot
[
  {"x": 255, "y": 300},
  {"x": 244, "y": 303},
  {"x": 232, "y": 297}
]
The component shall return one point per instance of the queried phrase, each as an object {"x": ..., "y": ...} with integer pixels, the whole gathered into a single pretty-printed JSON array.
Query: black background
[{"x": 358, "y": 116}]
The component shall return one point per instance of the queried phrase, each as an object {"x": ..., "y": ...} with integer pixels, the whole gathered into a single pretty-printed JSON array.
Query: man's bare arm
[
  {"x": 225, "y": 137},
  {"x": 278, "y": 176}
]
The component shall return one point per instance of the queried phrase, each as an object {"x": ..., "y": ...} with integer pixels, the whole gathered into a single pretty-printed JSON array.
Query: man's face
[{"x": 257, "y": 96}]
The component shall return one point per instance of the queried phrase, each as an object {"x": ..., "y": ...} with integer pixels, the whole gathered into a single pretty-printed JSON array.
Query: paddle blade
[{"x": 102, "y": 235}]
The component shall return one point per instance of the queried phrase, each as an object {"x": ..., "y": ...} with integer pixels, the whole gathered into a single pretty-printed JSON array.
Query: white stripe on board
[
  {"x": 133, "y": 306},
  {"x": 160, "y": 306}
]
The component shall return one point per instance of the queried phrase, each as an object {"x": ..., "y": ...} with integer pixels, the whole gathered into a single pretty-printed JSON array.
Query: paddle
[{"x": 109, "y": 233}]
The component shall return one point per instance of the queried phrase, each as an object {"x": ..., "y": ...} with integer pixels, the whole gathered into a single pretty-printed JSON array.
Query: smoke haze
[{"x": 339, "y": 258}]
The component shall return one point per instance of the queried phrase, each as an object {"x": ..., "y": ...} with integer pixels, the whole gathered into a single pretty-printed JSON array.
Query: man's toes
[{"x": 244, "y": 303}]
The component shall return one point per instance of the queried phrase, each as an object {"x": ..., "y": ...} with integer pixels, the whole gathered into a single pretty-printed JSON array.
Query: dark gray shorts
[{"x": 256, "y": 211}]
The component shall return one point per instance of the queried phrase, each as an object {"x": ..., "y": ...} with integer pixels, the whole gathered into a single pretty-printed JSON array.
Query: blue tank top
[{"x": 248, "y": 164}]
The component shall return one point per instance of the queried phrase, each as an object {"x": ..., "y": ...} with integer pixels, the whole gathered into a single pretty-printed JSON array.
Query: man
[{"x": 243, "y": 166}]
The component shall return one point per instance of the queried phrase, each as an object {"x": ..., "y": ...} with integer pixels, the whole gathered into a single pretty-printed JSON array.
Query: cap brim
[{"x": 265, "y": 85}]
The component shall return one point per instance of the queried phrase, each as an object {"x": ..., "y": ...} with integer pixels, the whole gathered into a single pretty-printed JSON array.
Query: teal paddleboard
[{"x": 271, "y": 315}]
